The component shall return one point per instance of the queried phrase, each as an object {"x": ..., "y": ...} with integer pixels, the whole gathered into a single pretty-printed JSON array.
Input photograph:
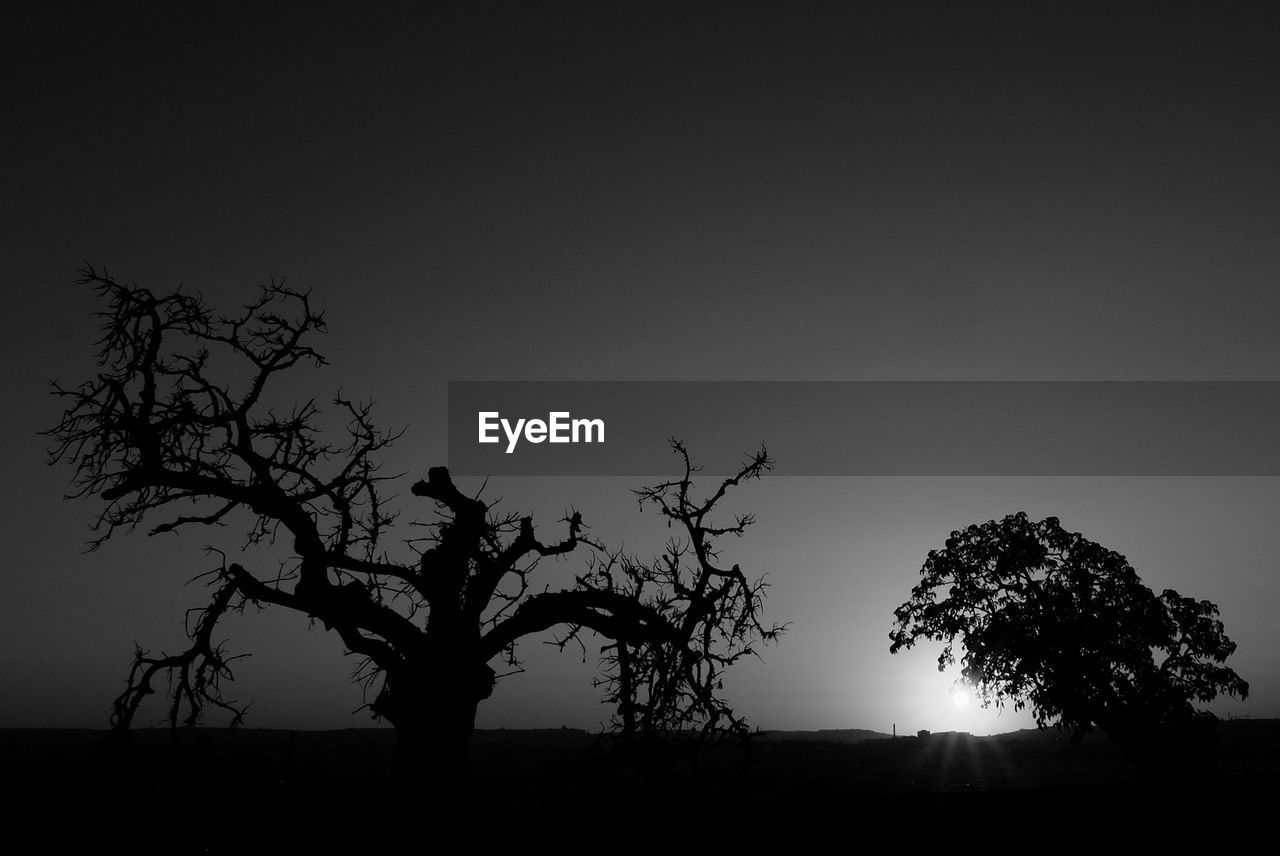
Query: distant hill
[{"x": 829, "y": 735}]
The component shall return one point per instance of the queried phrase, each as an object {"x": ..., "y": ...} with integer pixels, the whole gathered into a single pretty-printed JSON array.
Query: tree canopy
[{"x": 1047, "y": 619}]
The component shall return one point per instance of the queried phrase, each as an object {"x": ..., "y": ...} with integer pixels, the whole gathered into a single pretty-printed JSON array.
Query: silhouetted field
[{"x": 226, "y": 788}]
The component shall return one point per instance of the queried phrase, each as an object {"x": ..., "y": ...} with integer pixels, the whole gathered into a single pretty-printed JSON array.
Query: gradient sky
[{"x": 822, "y": 191}]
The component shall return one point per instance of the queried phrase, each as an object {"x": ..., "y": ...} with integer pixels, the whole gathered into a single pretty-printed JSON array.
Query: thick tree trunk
[
  {"x": 434, "y": 714},
  {"x": 431, "y": 751}
]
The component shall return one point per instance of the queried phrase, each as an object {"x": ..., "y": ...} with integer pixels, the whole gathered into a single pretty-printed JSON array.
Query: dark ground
[{"x": 214, "y": 791}]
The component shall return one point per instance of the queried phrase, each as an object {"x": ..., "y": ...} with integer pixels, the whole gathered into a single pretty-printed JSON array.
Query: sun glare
[{"x": 960, "y": 698}]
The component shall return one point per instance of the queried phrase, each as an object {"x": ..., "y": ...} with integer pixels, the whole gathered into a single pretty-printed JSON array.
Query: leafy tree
[
  {"x": 158, "y": 431},
  {"x": 1051, "y": 620}
]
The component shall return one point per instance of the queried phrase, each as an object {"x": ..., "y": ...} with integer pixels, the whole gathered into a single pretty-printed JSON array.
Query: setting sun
[{"x": 960, "y": 698}]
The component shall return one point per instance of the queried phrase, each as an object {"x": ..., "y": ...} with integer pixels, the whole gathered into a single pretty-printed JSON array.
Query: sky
[{"x": 700, "y": 191}]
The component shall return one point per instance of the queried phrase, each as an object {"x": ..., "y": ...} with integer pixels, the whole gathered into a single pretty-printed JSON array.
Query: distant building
[{"x": 922, "y": 733}]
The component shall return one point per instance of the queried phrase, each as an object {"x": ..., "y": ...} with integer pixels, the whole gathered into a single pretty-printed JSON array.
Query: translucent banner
[{"x": 1139, "y": 428}]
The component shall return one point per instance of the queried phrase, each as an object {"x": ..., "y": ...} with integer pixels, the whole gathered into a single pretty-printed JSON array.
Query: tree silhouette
[
  {"x": 159, "y": 431},
  {"x": 660, "y": 690},
  {"x": 1053, "y": 621}
]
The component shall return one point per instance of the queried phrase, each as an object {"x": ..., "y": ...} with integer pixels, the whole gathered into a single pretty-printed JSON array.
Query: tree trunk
[
  {"x": 434, "y": 715},
  {"x": 431, "y": 752}
]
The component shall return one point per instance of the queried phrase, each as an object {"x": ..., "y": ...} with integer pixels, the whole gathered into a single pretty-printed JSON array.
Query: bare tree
[
  {"x": 159, "y": 435},
  {"x": 661, "y": 690}
]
